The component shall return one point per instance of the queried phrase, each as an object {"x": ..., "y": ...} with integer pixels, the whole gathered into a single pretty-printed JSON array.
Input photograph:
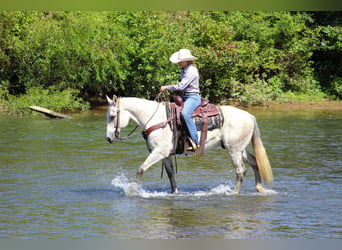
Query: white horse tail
[{"x": 263, "y": 163}]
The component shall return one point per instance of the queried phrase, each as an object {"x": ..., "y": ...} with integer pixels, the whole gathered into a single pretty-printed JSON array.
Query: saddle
[{"x": 206, "y": 116}]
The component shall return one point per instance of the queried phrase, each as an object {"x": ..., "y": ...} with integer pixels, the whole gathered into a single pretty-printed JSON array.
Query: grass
[{"x": 290, "y": 97}]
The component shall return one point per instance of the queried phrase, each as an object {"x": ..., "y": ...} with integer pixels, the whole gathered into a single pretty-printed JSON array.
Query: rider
[{"x": 189, "y": 85}]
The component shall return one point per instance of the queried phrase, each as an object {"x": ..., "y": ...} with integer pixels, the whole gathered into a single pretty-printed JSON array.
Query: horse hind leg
[
  {"x": 250, "y": 159},
  {"x": 167, "y": 163},
  {"x": 240, "y": 170}
]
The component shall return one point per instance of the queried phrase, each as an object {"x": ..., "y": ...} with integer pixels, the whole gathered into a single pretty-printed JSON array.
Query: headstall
[{"x": 117, "y": 127}]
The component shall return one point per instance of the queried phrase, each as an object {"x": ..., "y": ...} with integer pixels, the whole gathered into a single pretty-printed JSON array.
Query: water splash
[
  {"x": 268, "y": 192},
  {"x": 132, "y": 189},
  {"x": 121, "y": 182}
]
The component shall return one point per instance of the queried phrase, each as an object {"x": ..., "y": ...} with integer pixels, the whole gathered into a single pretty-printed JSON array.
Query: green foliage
[
  {"x": 78, "y": 50},
  {"x": 336, "y": 87},
  {"x": 328, "y": 59},
  {"x": 4, "y": 98},
  {"x": 250, "y": 57}
]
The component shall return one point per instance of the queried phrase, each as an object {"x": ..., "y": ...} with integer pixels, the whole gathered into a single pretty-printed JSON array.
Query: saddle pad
[{"x": 214, "y": 122}]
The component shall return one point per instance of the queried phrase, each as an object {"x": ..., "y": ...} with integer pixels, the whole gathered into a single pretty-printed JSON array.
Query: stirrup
[{"x": 193, "y": 147}]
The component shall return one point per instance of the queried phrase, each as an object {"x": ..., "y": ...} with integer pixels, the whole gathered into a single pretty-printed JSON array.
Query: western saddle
[{"x": 206, "y": 116}]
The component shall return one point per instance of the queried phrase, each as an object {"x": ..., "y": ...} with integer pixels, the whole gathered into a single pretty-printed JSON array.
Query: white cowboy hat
[{"x": 182, "y": 55}]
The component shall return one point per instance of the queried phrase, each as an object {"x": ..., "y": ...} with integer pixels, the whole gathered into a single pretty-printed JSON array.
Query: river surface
[{"x": 61, "y": 179}]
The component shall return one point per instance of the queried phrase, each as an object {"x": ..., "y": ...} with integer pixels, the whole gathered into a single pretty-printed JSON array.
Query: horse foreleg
[
  {"x": 250, "y": 159},
  {"x": 155, "y": 156},
  {"x": 167, "y": 163}
]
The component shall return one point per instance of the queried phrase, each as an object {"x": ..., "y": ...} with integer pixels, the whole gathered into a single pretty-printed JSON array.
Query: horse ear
[
  {"x": 109, "y": 100},
  {"x": 115, "y": 99}
]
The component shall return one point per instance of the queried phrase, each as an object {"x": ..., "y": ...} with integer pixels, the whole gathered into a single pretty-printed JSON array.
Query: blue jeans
[{"x": 191, "y": 102}]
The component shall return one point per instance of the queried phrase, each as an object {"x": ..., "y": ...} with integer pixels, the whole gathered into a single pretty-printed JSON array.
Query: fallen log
[{"x": 48, "y": 112}]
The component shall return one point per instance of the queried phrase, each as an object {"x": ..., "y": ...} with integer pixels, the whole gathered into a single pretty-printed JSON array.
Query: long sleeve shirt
[{"x": 189, "y": 80}]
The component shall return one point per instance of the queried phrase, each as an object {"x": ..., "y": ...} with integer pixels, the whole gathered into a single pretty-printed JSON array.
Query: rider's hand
[{"x": 163, "y": 88}]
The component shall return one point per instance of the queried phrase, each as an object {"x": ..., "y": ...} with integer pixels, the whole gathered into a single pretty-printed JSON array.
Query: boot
[{"x": 193, "y": 147}]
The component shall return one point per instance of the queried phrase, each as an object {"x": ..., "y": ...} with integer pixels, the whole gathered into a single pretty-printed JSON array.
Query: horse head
[{"x": 117, "y": 118}]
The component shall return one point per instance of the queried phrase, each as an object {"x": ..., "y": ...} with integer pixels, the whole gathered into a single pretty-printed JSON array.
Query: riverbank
[
  {"x": 100, "y": 104},
  {"x": 292, "y": 105},
  {"x": 295, "y": 105}
]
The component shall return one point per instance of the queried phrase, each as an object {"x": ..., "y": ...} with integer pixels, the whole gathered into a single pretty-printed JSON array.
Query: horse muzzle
[
  {"x": 110, "y": 140},
  {"x": 112, "y": 135}
]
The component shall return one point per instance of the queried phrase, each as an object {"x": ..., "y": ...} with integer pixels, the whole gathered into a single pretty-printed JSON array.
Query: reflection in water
[
  {"x": 60, "y": 179},
  {"x": 196, "y": 218},
  {"x": 198, "y": 214}
]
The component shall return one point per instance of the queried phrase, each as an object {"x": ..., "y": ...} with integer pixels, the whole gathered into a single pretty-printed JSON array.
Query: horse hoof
[
  {"x": 235, "y": 192},
  {"x": 133, "y": 189},
  {"x": 259, "y": 188},
  {"x": 175, "y": 192}
]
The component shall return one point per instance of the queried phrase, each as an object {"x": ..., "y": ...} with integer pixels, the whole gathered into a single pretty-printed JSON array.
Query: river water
[{"x": 61, "y": 179}]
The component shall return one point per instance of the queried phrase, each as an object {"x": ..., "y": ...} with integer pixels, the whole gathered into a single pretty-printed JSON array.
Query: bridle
[{"x": 117, "y": 126}]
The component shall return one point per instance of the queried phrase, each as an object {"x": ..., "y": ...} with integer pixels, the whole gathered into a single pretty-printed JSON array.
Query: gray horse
[{"x": 238, "y": 130}]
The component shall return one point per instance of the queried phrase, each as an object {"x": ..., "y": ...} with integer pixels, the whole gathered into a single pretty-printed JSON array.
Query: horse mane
[
  {"x": 139, "y": 100},
  {"x": 140, "y": 108}
]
